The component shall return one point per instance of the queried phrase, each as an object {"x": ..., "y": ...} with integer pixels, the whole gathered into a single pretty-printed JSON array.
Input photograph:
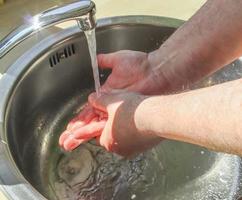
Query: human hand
[
  {"x": 119, "y": 132},
  {"x": 131, "y": 71},
  {"x": 87, "y": 118}
]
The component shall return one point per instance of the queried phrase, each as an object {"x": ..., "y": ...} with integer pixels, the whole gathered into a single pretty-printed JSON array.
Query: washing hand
[
  {"x": 89, "y": 121},
  {"x": 209, "y": 40},
  {"x": 131, "y": 71},
  {"x": 117, "y": 130}
]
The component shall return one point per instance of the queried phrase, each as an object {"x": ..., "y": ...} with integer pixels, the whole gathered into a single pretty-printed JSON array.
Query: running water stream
[{"x": 91, "y": 41}]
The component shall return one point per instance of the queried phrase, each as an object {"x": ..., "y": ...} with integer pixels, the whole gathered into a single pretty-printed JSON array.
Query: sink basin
[{"x": 47, "y": 85}]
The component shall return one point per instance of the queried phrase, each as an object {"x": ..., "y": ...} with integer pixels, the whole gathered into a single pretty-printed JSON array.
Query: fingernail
[
  {"x": 63, "y": 137},
  {"x": 70, "y": 144}
]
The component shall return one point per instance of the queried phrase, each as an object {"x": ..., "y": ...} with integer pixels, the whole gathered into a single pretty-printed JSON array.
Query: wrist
[
  {"x": 163, "y": 74},
  {"x": 154, "y": 58},
  {"x": 148, "y": 116},
  {"x": 174, "y": 70}
]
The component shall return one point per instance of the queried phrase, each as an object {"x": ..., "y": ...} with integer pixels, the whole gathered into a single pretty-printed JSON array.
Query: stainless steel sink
[{"x": 44, "y": 86}]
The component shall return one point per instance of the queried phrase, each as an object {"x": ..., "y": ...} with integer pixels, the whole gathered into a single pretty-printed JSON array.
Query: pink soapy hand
[
  {"x": 113, "y": 126},
  {"x": 85, "y": 126}
]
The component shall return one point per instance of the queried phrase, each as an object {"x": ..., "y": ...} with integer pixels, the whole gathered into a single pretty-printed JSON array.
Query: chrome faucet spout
[{"x": 82, "y": 11}]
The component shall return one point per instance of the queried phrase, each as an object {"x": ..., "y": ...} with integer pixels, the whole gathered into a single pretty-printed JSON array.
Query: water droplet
[{"x": 102, "y": 75}]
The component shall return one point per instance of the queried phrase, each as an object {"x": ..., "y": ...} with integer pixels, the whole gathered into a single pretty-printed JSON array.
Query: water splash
[{"x": 91, "y": 173}]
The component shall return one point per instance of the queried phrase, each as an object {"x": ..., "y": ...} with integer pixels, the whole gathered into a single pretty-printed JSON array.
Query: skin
[
  {"x": 128, "y": 123},
  {"x": 209, "y": 117}
]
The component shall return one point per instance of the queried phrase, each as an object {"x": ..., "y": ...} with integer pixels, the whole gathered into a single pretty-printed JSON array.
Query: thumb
[
  {"x": 102, "y": 102},
  {"x": 108, "y": 60}
]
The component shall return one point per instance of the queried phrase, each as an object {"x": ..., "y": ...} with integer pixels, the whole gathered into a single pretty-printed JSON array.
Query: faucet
[{"x": 82, "y": 11}]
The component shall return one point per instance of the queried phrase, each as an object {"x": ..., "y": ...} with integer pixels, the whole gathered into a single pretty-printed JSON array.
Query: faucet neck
[{"x": 81, "y": 11}]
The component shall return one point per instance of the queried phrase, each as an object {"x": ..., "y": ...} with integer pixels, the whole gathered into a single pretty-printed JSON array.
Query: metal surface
[
  {"x": 38, "y": 99},
  {"x": 81, "y": 11}
]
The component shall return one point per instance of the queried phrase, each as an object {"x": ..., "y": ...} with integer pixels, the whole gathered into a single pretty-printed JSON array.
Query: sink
[{"x": 49, "y": 83}]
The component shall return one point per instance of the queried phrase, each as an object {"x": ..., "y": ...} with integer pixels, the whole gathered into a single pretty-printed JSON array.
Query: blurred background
[{"x": 15, "y": 12}]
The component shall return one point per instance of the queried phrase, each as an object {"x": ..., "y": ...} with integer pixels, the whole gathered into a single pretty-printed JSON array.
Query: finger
[
  {"x": 68, "y": 133},
  {"x": 114, "y": 82},
  {"x": 101, "y": 141},
  {"x": 143, "y": 87},
  {"x": 80, "y": 124},
  {"x": 105, "y": 139},
  {"x": 91, "y": 130},
  {"x": 107, "y": 60},
  {"x": 74, "y": 123},
  {"x": 72, "y": 143},
  {"x": 84, "y": 117},
  {"x": 101, "y": 115},
  {"x": 78, "y": 117},
  {"x": 107, "y": 87},
  {"x": 101, "y": 103},
  {"x": 63, "y": 137},
  {"x": 88, "y": 115}
]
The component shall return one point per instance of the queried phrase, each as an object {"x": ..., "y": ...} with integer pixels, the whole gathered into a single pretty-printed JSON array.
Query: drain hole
[
  {"x": 73, "y": 48},
  {"x": 50, "y": 60},
  {"x": 69, "y": 51},
  {"x": 62, "y": 54},
  {"x": 54, "y": 60},
  {"x": 57, "y": 57},
  {"x": 65, "y": 52}
]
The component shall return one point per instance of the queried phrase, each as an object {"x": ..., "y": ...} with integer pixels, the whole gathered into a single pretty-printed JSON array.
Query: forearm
[
  {"x": 210, "y": 117},
  {"x": 208, "y": 41}
]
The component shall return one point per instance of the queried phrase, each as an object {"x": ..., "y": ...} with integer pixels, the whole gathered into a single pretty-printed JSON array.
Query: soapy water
[{"x": 91, "y": 173}]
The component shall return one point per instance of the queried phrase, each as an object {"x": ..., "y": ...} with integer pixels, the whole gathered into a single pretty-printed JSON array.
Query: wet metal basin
[{"x": 48, "y": 83}]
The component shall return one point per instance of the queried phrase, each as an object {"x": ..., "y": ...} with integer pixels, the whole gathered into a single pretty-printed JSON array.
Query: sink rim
[{"x": 11, "y": 77}]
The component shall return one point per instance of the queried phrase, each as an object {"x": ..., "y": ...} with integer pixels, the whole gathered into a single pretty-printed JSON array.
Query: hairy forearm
[
  {"x": 209, "y": 40},
  {"x": 210, "y": 117}
]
